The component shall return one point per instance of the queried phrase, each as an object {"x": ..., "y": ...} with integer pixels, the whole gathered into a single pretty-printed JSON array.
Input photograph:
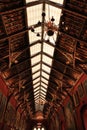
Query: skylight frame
[{"x": 43, "y": 73}]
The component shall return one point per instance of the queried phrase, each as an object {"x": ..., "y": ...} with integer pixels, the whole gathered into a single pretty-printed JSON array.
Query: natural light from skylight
[{"x": 41, "y": 53}]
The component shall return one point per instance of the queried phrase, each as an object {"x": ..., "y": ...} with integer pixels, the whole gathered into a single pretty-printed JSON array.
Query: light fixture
[{"x": 49, "y": 26}]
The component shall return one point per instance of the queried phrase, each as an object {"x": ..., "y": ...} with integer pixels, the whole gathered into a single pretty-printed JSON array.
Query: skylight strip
[
  {"x": 36, "y": 85},
  {"x": 58, "y": 1},
  {"x": 36, "y": 80},
  {"x": 46, "y": 68},
  {"x": 42, "y": 95},
  {"x": 44, "y": 80},
  {"x": 37, "y": 92},
  {"x": 36, "y": 75},
  {"x": 34, "y": 14},
  {"x": 35, "y": 49},
  {"x": 47, "y": 60},
  {"x": 35, "y": 68},
  {"x": 43, "y": 99},
  {"x": 36, "y": 95},
  {"x": 42, "y": 88},
  {"x": 36, "y": 88},
  {"x": 39, "y": 52},
  {"x": 54, "y": 11},
  {"x": 45, "y": 75},
  {"x": 28, "y": 1},
  {"x": 35, "y": 59},
  {"x": 44, "y": 85},
  {"x": 47, "y": 47},
  {"x": 41, "y": 91}
]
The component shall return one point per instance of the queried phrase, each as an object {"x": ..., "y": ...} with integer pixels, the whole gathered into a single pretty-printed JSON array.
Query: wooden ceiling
[{"x": 70, "y": 56}]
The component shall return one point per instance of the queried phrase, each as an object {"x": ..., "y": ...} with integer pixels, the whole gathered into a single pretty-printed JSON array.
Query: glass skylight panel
[
  {"x": 44, "y": 85},
  {"x": 35, "y": 68},
  {"x": 36, "y": 98},
  {"x": 42, "y": 95},
  {"x": 46, "y": 68},
  {"x": 45, "y": 75},
  {"x": 32, "y": 36},
  {"x": 42, "y": 88},
  {"x": 36, "y": 95},
  {"x": 47, "y": 47},
  {"x": 34, "y": 14},
  {"x": 35, "y": 59},
  {"x": 58, "y": 1},
  {"x": 42, "y": 92},
  {"x": 36, "y": 75},
  {"x": 36, "y": 89},
  {"x": 28, "y": 1},
  {"x": 42, "y": 98},
  {"x": 36, "y": 85},
  {"x": 53, "y": 11},
  {"x": 44, "y": 80},
  {"x": 47, "y": 60},
  {"x": 37, "y": 92},
  {"x": 35, "y": 49},
  {"x": 36, "y": 80}
]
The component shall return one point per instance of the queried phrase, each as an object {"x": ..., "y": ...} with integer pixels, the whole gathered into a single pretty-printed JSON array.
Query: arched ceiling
[{"x": 41, "y": 70}]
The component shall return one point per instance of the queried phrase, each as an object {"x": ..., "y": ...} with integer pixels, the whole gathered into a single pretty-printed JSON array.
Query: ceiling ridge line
[{"x": 43, "y": 18}]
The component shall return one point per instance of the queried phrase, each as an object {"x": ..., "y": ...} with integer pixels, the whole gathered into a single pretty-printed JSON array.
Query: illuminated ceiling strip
[
  {"x": 33, "y": 15},
  {"x": 35, "y": 68},
  {"x": 28, "y": 1},
  {"x": 47, "y": 60},
  {"x": 56, "y": 1},
  {"x": 35, "y": 49},
  {"x": 46, "y": 68},
  {"x": 36, "y": 95},
  {"x": 42, "y": 95},
  {"x": 47, "y": 47},
  {"x": 36, "y": 85},
  {"x": 35, "y": 59},
  {"x": 45, "y": 75},
  {"x": 36, "y": 75},
  {"x": 36, "y": 80},
  {"x": 42, "y": 84},
  {"x": 36, "y": 88},
  {"x": 44, "y": 80},
  {"x": 43, "y": 99},
  {"x": 43, "y": 89}
]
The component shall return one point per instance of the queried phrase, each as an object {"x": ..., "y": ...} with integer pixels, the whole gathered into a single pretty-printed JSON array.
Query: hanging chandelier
[{"x": 49, "y": 26}]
